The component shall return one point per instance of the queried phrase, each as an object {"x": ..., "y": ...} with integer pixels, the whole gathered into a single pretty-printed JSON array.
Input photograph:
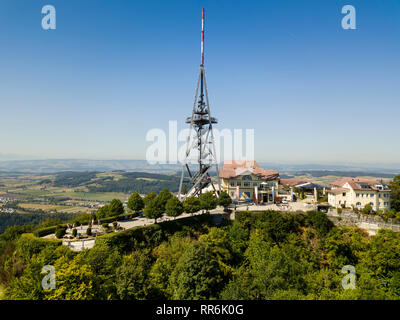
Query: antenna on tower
[{"x": 202, "y": 144}]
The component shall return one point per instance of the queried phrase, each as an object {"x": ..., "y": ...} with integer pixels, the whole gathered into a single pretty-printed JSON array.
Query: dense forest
[
  {"x": 141, "y": 182},
  {"x": 15, "y": 219},
  {"x": 260, "y": 255}
]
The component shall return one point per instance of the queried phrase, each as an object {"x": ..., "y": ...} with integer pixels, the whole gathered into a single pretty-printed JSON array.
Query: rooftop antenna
[{"x": 202, "y": 144}]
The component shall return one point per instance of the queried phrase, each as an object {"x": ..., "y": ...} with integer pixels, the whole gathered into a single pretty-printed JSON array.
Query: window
[
  {"x": 358, "y": 204},
  {"x": 232, "y": 183},
  {"x": 239, "y": 184},
  {"x": 344, "y": 194},
  {"x": 232, "y": 194},
  {"x": 386, "y": 204},
  {"x": 246, "y": 178},
  {"x": 357, "y": 195},
  {"x": 246, "y": 184},
  {"x": 255, "y": 184},
  {"x": 372, "y": 195}
]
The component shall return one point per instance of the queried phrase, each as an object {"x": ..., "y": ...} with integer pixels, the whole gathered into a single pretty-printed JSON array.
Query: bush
[
  {"x": 28, "y": 245},
  {"x": 74, "y": 232},
  {"x": 320, "y": 222},
  {"x": 224, "y": 199},
  {"x": 105, "y": 225},
  {"x": 367, "y": 209},
  {"x": 89, "y": 231},
  {"x": 339, "y": 210},
  {"x": 44, "y": 231},
  {"x": 153, "y": 235},
  {"x": 60, "y": 232}
]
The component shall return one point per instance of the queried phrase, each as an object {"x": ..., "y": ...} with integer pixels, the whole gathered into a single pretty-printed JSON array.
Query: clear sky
[{"x": 114, "y": 69}]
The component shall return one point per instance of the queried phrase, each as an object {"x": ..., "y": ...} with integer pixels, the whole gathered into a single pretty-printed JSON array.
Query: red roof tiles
[{"x": 232, "y": 169}]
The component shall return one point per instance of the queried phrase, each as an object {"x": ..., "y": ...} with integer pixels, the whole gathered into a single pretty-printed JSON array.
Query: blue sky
[{"x": 112, "y": 70}]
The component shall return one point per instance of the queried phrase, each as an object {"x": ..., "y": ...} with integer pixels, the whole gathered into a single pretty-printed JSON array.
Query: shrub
[
  {"x": 367, "y": 209},
  {"x": 60, "y": 232},
  {"x": 224, "y": 199},
  {"x": 74, "y": 232},
  {"x": 105, "y": 225},
  {"x": 339, "y": 210},
  {"x": 320, "y": 222},
  {"x": 44, "y": 231},
  {"x": 89, "y": 231}
]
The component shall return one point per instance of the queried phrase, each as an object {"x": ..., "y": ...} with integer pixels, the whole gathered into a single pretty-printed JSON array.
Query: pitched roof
[
  {"x": 358, "y": 183},
  {"x": 232, "y": 169}
]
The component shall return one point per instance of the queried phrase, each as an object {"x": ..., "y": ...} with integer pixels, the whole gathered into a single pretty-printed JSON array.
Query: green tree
[
  {"x": 197, "y": 275},
  {"x": 191, "y": 204},
  {"x": 135, "y": 202},
  {"x": 74, "y": 282},
  {"x": 164, "y": 196},
  {"x": 207, "y": 201},
  {"x": 132, "y": 281},
  {"x": 74, "y": 232},
  {"x": 153, "y": 209},
  {"x": 149, "y": 197},
  {"x": 367, "y": 209},
  {"x": 103, "y": 212},
  {"x": 60, "y": 232},
  {"x": 103, "y": 261},
  {"x": 173, "y": 207},
  {"x": 116, "y": 208},
  {"x": 320, "y": 222},
  {"x": 224, "y": 199},
  {"x": 167, "y": 255},
  {"x": 394, "y": 186}
]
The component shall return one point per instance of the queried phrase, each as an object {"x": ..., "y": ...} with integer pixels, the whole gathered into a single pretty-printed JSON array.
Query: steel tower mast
[{"x": 200, "y": 141}]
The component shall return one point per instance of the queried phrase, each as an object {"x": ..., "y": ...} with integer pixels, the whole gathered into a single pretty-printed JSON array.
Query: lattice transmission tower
[{"x": 200, "y": 141}]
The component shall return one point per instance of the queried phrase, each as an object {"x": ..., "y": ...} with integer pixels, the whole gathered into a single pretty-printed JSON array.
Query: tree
[
  {"x": 367, "y": 209},
  {"x": 174, "y": 207},
  {"x": 153, "y": 209},
  {"x": 150, "y": 196},
  {"x": 60, "y": 232},
  {"x": 320, "y": 222},
  {"x": 224, "y": 199},
  {"x": 394, "y": 186},
  {"x": 74, "y": 232},
  {"x": 74, "y": 282},
  {"x": 167, "y": 254},
  {"x": 89, "y": 231},
  {"x": 132, "y": 281},
  {"x": 164, "y": 196},
  {"x": 191, "y": 204},
  {"x": 135, "y": 202},
  {"x": 207, "y": 201},
  {"x": 103, "y": 212},
  {"x": 198, "y": 274},
  {"x": 116, "y": 208}
]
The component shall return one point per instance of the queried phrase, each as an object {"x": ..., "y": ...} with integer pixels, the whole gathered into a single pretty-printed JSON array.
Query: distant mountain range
[{"x": 52, "y": 166}]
